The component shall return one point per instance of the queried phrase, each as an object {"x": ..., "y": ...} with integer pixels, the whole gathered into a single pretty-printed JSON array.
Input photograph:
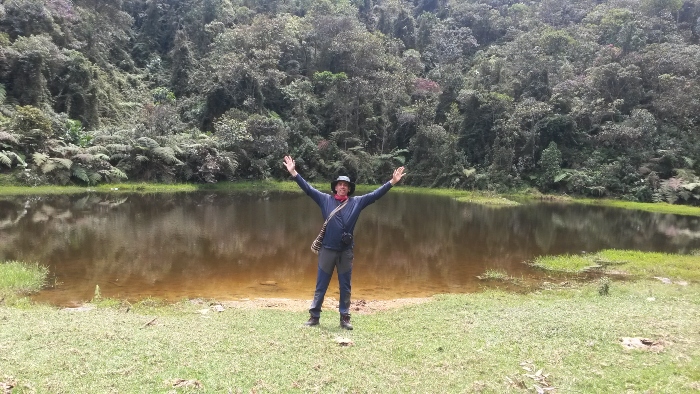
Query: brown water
[{"x": 232, "y": 246}]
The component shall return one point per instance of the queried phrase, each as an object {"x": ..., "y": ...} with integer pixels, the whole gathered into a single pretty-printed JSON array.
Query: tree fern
[
  {"x": 80, "y": 173},
  {"x": 5, "y": 160},
  {"x": 187, "y": 173},
  {"x": 167, "y": 155},
  {"x": 114, "y": 174},
  {"x": 142, "y": 158},
  {"x": 39, "y": 158},
  {"x": 102, "y": 156},
  {"x": 118, "y": 156},
  {"x": 65, "y": 163},
  {"x": 11, "y": 157},
  {"x": 63, "y": 177},
  {"x": 97, "y": 150},
  {"x": 231, "y": 161},
  {"x": 114, "y": 148},
  {"x": 397, "y": 154},
  {"x": 52, "y": 163},
  {"x": 8, "y": 138},
  {"x": 84, "y": 158},
  {"x": 69, "y": 150},
  {"x": 48, "y": 166},
  {"x": 147, "y": 143},
  {"x": 95, "y": 177}
]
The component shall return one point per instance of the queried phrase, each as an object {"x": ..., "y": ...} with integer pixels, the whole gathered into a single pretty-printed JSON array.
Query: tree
[{"x": 549, "y": 166}]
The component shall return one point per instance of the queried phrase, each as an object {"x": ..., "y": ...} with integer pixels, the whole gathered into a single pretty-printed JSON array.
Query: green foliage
[
  {"x": 564, "y": 263},
  {"x": 8, "y": 158},
  {"x": 163, "y": 95},
  {"x": 494, "y": 274},
  {"x": 681, "y": 189},
  {"x": 604, "y": 286},
  {"x": 550, "y": 166},
  {"x": 32, "y": 123},
  {"x": 76, "y": 134},
  {"x": 327, "y": 78},
  {"x": 435, "y": 159},
  {"x": 18, "y": 277},
  {"x": 231, "y": 132},
  {"x": 214, "y": 90},
  {"x": 655, "y": 7},
  {"x": 631, "y": 262},
  {"x": 556, "y": 42}
]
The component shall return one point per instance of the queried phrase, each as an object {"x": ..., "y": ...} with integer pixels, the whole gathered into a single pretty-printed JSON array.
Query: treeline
[{"x": 587, "y": 97}]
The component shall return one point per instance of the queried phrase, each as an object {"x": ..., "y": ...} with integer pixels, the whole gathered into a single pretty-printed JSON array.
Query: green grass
[
  {"x": 659, "y": 207},
  {"x": 151, "y": 188},
  {"x": 494, "y": 274},
  {"x": 455, "y": 343},
  {"x": 629, "y": 262},
  {"x": 565, "y": 263},
  {"x": 19, "y": 278},
  {"x": 566, "y": 338}
]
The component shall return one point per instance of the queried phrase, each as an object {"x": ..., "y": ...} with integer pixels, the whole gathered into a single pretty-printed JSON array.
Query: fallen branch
[{"x": 150, "y": 323}]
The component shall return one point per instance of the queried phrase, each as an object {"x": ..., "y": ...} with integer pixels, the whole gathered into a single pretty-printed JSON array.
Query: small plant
[
  {"x": 494, "y": 274},
  {"x": 604, "y": 286},
  {"x": 98, "y": 295},
  {"x": 76, "y": 134},
  {"x": 21, "y": 278}
]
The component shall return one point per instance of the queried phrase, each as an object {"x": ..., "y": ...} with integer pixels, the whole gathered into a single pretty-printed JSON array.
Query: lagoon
[{"x": 235, "y": 245}]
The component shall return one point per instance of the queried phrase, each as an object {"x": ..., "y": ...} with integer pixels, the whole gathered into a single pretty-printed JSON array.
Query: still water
[{"x": 238, "y": 245}]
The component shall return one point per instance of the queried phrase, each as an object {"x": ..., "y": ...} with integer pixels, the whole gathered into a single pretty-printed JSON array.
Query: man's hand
[
  {"x": 398, "y": 174},
  {"x": 291, "y": 166}
]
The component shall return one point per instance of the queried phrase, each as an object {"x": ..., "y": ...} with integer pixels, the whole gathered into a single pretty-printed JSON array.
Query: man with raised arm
[{"x": 337, "y": 245}]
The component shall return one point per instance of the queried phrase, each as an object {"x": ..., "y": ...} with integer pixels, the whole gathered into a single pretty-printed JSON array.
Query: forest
[{"x": 584, "y": 97}]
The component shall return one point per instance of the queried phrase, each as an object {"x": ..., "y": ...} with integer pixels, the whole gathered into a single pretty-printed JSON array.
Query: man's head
[{"x": 343, "y": 186}]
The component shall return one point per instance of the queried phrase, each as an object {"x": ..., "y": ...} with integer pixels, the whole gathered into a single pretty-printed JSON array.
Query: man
[{"x": 337, "y": 245}]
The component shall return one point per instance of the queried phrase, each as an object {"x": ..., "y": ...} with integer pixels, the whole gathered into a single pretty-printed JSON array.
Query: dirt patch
[
  {"x": 361, "y": 307},
  {"x": 636, "y": 343},
  {"x": 6, "y": 385}
]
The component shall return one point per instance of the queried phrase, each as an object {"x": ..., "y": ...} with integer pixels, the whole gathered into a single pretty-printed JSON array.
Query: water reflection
[{"x": 219, "y": 245}]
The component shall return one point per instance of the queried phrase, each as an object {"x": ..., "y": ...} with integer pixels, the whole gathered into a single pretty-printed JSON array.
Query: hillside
[{"x": 594, "y": 98}]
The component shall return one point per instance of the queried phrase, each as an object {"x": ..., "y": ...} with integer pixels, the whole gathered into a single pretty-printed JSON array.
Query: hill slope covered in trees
[{"x": 586, "y": 97}]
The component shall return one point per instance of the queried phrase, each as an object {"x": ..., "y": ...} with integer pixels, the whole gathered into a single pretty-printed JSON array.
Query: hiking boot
[
  {"x": 313, "y": 321},
  {"x": 345, "y": 322}
]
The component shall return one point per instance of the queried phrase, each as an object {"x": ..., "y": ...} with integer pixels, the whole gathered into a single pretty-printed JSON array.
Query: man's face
[{"x": 342, "y": 188}]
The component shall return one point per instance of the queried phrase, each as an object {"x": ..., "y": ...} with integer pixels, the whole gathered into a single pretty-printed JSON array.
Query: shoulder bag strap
[
  {"x": 316, "y": 245},
  {"x": 333, "y": 212}
]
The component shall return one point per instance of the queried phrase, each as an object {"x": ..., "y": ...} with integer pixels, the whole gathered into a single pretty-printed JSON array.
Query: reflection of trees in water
[
  {"x": 410, "y": 236},
  {"x": 152, "y": 237},
  {"x": 50, "y": 225},
  {"x": 554, "y": 229},
  {"x": 11, "y": 212},
  {"x": 196, "y": 235},
  {"x": 424, "y": 236}
]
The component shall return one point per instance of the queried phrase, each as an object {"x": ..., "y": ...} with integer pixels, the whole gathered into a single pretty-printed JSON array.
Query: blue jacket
[{"x": 344, "y": 220}]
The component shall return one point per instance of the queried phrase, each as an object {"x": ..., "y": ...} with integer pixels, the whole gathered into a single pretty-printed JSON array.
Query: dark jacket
[{"x": 344, "y": 220}]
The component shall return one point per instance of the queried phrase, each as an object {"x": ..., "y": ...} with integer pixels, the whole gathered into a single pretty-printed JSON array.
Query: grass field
[{"x": 563, "y": 337}]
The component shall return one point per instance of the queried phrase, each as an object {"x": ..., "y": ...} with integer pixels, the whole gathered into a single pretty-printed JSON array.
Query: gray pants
[{"x": 328, "y": 260}]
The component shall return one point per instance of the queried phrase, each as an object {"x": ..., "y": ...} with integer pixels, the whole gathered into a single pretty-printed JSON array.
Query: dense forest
[{"x": 585, "y": 97}]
